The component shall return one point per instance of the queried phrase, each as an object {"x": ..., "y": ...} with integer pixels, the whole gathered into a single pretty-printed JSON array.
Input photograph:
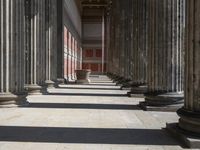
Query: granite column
[
  {"x": 165, "y": 59},
  {"x": 35, "y": 45},
  {"x": 12, "y": 60}
]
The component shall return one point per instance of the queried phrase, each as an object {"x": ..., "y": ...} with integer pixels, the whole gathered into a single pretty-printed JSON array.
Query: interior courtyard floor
[{"x": 98, "y": 116}]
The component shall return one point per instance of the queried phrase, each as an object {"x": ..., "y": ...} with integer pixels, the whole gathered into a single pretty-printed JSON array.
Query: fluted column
[
  {"x": 107, "y": 36},
  {"x": 35, "y": 45},
  {"x": 127, "y": 48},
  {"x": 128, "y": 29},
  {"x": 139, "y": 47},
  {"x": 188, "y": 128},
  {"x": 42, "y": 44},
  {"x": 165, "y": 61},
  {"x": 135, "y": 35},
  {"x": 51, "y": 42},
  {"x": 124, "y": 36},
  {"x": 120, "y": 38},
  {"x": 117, "y": 43},
  {"x": 60, "y": 43},
  {"x": 12, "y": 53},
  {"x": 112, "y": 40},
  {"x": 131, "y": 24},
  {"x": 190, "y": 113},
  {"x": 141, "y": 52}
]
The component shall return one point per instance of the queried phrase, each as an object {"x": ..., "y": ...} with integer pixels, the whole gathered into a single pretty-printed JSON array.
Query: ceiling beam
[{"x": 94, "y": 4}]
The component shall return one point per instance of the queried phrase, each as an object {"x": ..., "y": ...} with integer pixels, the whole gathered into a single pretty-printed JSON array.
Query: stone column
[
  {"x": 165, "y": 61},
  {"x": 35, "y": 43},
  {"x": 116, "y": 35},
  {"x": 131, "y": 36},
  {"x": 112, "y": 40},
  {"x": 127, "y": 50},
  {"x": 120, "y": 39},
  {"x": 124, "y": 40},
  {"x": 188, "y": 128},
  {"x": 42, "y": 44},
  {"x": 107, "y": 36},
  {"x": 129, "y": 24},
  {"x": 134, "y": 52},
  {"x": 142, "y": 46},
  {"x": 190, "y": 113},
  {"x": 51, "y": 43},
  {"x": 12, "y": 47},
  {"x": 138, "y": 65},
  {"x": 113, "y": 63},
  {"x": 60, "y": 43}
]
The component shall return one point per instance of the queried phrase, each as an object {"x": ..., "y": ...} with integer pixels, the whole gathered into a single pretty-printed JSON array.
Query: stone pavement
[{"x": 98, "y": 116}]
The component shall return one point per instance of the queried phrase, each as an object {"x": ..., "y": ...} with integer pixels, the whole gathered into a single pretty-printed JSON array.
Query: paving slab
[{"x": 92, "y": 117}]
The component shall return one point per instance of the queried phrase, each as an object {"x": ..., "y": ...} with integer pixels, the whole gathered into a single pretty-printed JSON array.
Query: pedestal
[
  {"x": 83, "y": 76},
  {"x": 34, "y": 89},
  {"x": 9, "y": 100},
  {"x": 162, "y": 102}
]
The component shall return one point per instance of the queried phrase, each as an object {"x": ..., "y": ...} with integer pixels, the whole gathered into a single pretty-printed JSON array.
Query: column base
[
  {"x": 50, "y": 84},
  {"x": 189, "y": 121},
  {"x": 34, "y": 89},
  {"x": 83, "y": 81},
  {"x": 122, "y": 82},
  {"x": 163, "y": 102},
  {"x": 118, "y": 79},
  {"x": 59, "y": 81},
  {"x": 69, "y": 79},
  {"x": 126, "y": 86},
  {"x": 73, "y": 77},
  {"x": 186, "y": 138},
  {"x": 9, "y": 100},
  {"x": 138, "y": 91},
  {"x": 44, "y": 89}
]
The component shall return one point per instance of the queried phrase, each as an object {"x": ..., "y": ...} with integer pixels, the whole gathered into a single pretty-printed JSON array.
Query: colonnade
[
  {"x": 163, "y": 55},
  {"x": 147, "y": 49},
  {"x": 128, "y": 42},
  {"x": 28, "y": 53},
  {"x": 153, "y": 47}
]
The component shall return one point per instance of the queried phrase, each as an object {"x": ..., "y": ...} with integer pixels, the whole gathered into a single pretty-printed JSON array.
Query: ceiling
[
  {"x": 97, "y": 4},
  {"x": 93, "y": 10}
]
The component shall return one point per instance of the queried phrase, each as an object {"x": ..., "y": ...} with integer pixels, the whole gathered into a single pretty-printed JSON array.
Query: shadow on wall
[{"x": 85, "y": 135}]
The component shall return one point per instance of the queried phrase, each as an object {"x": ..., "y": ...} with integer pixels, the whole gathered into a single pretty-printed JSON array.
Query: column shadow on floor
[
  {"x": 88, "y": 94},
  {"x": 84, "y": 106},
  {"x": 93, "y": 84},
  {"x": 85, "y": 135},
  {"x": 88, "y": 88},
  {"x": 96, "y": 84}
]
